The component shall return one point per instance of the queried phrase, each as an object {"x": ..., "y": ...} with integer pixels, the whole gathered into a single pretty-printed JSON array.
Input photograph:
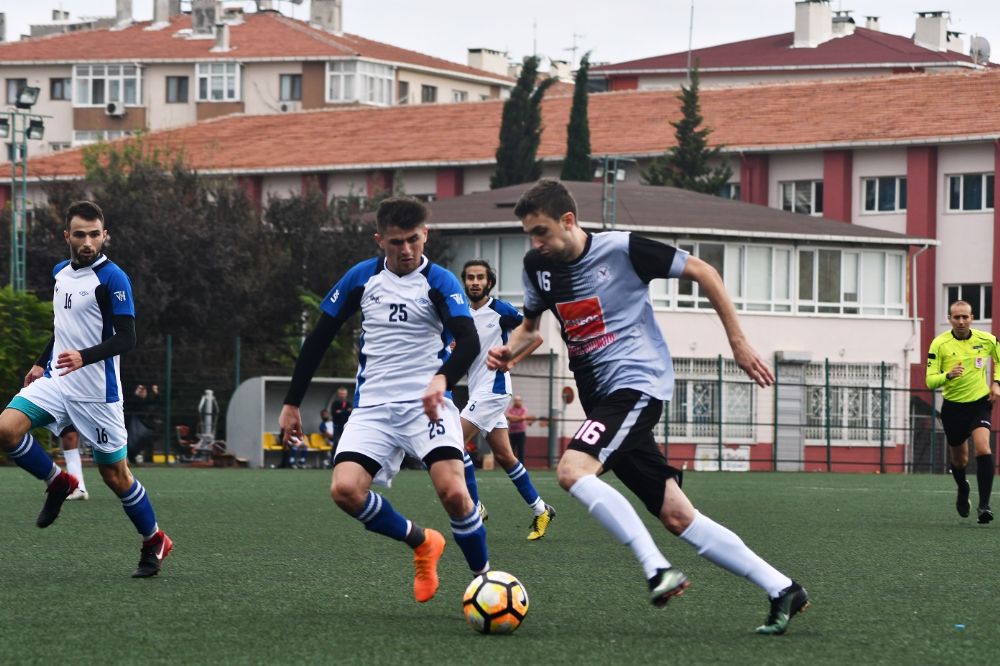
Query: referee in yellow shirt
[{"x": 957, "y": 361}]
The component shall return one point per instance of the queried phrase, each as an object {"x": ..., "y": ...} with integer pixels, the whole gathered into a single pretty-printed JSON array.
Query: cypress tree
[
  {"x": 521, "y": 129},
  {"x": 687, "y": 165},
  {"x": 577, "y": 164}
]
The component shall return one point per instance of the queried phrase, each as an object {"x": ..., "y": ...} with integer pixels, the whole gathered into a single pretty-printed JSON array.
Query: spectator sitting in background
[
  {"x": 326, "y": 430},
  {"x": 141, "y": 419},
  {"x": 187, "y": 441},
  {"x": 297, "y": 445}
]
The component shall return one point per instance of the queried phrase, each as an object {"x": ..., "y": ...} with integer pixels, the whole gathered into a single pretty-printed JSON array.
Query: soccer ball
[{"x": 495, "y": 603}]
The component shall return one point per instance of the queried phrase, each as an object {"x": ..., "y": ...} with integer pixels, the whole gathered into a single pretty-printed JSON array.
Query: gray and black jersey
[{"x": 602, "y": 302}]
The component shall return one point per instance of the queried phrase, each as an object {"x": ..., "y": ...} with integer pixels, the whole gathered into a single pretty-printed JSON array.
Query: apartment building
[
  {"x": 177, "y": 69},
  {"x": 909, "y": 155},
  {"x": 824, "y": 44}
]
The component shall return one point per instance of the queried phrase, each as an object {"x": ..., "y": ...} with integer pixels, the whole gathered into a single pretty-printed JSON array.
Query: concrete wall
[
  {"x": 162, "y": 115},
  {"x": 966, "y": 251},
  {"x": 872, "y": 164}
]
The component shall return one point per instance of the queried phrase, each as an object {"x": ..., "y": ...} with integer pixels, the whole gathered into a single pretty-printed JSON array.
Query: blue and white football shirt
[
  {"x": 404, "y": 338},
  {"x": 84, "y": 303},
  {"x": 494, "y": 322}
]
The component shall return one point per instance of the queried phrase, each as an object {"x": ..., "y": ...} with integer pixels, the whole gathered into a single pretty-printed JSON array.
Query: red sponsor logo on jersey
[{"x": 583, "y": 319}]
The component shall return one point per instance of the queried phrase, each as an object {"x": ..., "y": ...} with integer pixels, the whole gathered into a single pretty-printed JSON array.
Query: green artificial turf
[{"x": 267, "y": 570}]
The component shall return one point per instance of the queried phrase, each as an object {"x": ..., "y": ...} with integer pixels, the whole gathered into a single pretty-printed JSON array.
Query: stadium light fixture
[
  {"x": 36, "y": 129},
  {"x": 26, "y": 97},
  {"x": 4, "y": 127}
]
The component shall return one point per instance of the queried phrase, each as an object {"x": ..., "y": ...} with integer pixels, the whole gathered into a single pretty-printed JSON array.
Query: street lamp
[
  {"x": 26, "y": 97},
  {"x": 610, "y": 170},
  {"x": 20, "y": 126}
]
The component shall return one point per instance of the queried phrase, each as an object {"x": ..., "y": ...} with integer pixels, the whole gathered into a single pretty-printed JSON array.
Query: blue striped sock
[
  {"x": 470, "y": 477},
  {"x": 139, "y": 510},
  {"x": 519, "y": 475},
  {"x": 470, "y": 534},
  {"x": 32, "y": 458},
  {"x": 379, "y": 516}
]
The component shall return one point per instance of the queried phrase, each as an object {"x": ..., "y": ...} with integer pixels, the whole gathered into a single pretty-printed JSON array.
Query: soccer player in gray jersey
[
  {"x": 490, "y": 392},
  {"x": 76, "y": 382},
  {"x": 409, "y": 308},
  {"x": 597, "y": 285}
]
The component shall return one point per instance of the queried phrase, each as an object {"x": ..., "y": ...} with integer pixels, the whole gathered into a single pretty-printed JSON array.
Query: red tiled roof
[
  {"x": 861, "y": 48},
  {"x": 262, "y": 36},
  {"x": 912, "y": 108}
]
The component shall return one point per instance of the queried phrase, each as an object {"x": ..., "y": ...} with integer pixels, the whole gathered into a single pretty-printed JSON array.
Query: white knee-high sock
[
  {"x": 74, "y": 466},
  {"x": 722, "y": 547},
  {"x": 617, "y": 516}
]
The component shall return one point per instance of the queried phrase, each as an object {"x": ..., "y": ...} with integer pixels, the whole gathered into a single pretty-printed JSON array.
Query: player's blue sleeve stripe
[
  {"x": 58, "y": 267},
  {"x": 447, "y": 285},
  {"x": 119, "y": 289},
  {"x": 336, "y": 300}
]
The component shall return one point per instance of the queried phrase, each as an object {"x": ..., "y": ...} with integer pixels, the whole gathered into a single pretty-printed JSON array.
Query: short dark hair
[
  {"x": 88, "y": 210},
  {"x": 548, "y": 196},
  {"x": 403, "y": 212},
  {"x": 491, "y": 275},
  {"x": 960, "y": 302}
]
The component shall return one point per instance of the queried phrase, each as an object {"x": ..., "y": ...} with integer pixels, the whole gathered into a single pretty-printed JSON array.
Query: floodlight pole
[
  {"x": 19, "y": 195},
  {"x": 18, "y": 199}
]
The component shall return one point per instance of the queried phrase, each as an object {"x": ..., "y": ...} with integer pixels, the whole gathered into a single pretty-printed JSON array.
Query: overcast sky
[{"x": 616, "y": 30}]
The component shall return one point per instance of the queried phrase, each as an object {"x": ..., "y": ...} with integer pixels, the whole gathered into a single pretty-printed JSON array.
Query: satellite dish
[{"x": 980, "y": 50}]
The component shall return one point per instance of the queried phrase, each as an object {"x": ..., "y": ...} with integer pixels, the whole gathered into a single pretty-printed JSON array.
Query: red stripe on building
[
  {"x": 921, "y": 221},
  {"x": 450, "y": 183},
  {"x": 754, "y": 178},
  {"x": 837, "y": 193}
]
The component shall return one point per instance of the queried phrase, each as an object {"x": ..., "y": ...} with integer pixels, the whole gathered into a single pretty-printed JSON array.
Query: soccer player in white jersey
[
  {"x": 490, "y": 392},
  {"x": 76, "y": 381},
  {"x": 402, "y": 403},
  {"x": 597, "y": 285}
]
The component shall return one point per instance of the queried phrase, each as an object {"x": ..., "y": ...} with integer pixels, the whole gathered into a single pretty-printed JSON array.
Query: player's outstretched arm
[
  {"x": 523, "y": 340},
  {"x": 34, "y": 373},
  {"x": 710, "y": 283},
  {"x": 122, "y": 341},
  {"x": 290, "y": 422},
  {"x": 313, "y": 349}
]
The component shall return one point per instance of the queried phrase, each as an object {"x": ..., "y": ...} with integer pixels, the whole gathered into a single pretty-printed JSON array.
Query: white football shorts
[
  {"x": 488, "y": 412},
  {"x": 100, "y": 423},
  {"x": 386, "y": 433}
]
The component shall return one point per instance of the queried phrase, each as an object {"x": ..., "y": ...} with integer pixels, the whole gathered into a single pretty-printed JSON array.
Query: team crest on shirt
[
  {"x": 120, "y": 295},
  {"x": 603, "y": 273},
  {"x": 583, "y": 322},
  {"x": 980, "y": 362}
]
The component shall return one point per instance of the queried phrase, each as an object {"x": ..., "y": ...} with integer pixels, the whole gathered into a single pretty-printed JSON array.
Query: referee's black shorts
[
  {"x": 619, "y": 433},
  {"x": 961, "y": 418}
]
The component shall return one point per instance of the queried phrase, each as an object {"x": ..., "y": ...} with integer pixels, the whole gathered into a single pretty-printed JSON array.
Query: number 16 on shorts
[{"x": 590, "y": 432}]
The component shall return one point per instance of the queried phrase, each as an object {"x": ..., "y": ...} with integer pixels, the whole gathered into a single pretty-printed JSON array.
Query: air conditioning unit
[
  {"x": 288, "y": 107},
  {"x": 114, "y": 109}
]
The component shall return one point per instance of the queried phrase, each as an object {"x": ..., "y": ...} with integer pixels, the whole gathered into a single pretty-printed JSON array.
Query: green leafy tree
[
  {"x": 25, "y": 328},
  {"x": 577, "y": 165},
  {"x": 521, "y": 129},
  {"x": 688, "y": 165}
]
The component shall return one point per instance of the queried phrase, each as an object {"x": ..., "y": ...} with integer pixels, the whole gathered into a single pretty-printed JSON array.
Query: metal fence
[{"x": 821, "y": 416}]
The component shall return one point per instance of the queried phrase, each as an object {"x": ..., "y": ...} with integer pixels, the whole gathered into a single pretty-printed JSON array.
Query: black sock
[
  {"x": 984, "y": 475},
  {"x": 415, "y": 536},
  {"x": 959, "y": 475}
]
